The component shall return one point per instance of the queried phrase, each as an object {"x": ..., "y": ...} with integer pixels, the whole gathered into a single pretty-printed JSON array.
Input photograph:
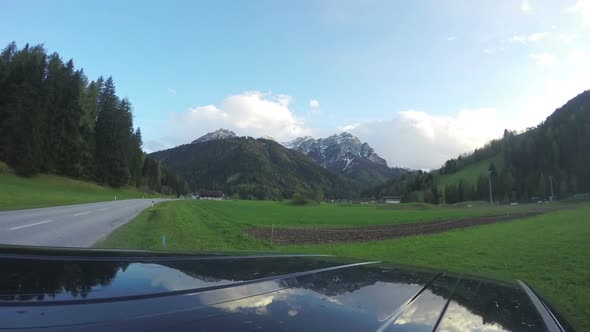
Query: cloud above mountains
[
  {"x": 410, "y": 138},
  {"x": 420, "y": 140},
  {"x": 250, "y": 113}
]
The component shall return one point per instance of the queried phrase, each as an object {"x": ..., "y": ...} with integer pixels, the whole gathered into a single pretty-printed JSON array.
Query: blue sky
[{"x": 421, "y": 81}]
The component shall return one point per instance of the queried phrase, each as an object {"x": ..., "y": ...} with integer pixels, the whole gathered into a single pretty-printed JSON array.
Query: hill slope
[
  {"x": 253, "y": 168},
  {"x": 469, "y": 173},
  {"x": 46, "y": 190},
  {"x": 551, "y": 159}
]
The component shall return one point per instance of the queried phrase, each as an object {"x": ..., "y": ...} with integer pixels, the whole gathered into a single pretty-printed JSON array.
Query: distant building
[
  {"x": 358, "y": 201},
  {"x": 391, "y": 199},
  {"x": 215, "y": 195}
]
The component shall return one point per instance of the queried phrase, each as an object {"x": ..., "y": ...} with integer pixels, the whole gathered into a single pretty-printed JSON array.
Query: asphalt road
[{"x": 79, "y": 225}]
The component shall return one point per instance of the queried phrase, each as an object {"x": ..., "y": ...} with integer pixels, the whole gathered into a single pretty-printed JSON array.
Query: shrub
[
  {"x": 299, "y": 199},
  {"x": 4, "y": 168}
]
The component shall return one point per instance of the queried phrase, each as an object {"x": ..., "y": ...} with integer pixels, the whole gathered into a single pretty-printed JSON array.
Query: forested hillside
[
  {"x": 554, "y": 153},
  {"x": 54, "y": 120},
  {"x": 254, "y": 169}
]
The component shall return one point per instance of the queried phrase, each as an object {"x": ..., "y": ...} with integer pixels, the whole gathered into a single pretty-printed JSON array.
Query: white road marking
[
  {"x": 81, "y": 214},
  {"x": 29, "y": 225}
]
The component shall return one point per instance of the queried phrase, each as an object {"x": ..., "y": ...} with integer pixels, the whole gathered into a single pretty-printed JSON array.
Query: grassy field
[
  {"x": 548, "y": 251},
  {"x": 469, "y": 173},
  {"x": 283, "y": 214},
  {"x": 51, "y": 190}
]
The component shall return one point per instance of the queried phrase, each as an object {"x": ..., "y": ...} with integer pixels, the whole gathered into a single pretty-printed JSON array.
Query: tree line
[
  {"x": 415, "y": 186},
  {"x": 54, "y": 120}
]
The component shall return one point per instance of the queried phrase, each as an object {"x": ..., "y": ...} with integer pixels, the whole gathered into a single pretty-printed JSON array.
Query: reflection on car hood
[{"x": 56, "y": 289}]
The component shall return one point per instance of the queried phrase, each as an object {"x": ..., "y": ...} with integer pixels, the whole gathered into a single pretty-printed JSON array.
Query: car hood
[{"x": 52, "y": 288}]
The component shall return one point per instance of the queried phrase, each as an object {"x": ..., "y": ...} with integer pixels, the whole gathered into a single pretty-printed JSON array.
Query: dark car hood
[{"x": 144, "y": 291}]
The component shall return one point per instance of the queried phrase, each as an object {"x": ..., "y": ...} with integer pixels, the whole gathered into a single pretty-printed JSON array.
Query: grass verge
[
  {"x": 50, "y": 190},
  {"x": 185, "y": 226}
]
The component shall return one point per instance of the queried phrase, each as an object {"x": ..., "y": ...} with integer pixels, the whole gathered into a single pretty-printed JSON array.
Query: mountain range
[
  {"x": 338, "y": 166},
  {"x": 345, "y": 154},
  {"x": 254, "y": 169}
]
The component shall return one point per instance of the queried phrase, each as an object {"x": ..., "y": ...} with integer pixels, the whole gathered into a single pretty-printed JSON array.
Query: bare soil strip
[{"x": 286, "y": 236}]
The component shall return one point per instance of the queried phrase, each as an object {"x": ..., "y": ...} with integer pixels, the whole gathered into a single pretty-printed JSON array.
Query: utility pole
[
  {"x": 490, "y": 181},
  {"x": 551, "y": 183}
]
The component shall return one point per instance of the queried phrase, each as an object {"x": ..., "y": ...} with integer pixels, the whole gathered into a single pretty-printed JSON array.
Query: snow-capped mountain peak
[
  {"x": 267, "y": 137},
  {"x": 218, "y": 134},
  {"x": 346, "y": 154},
  {"x": 297, "y": 142},
  {"x": 335, "y": 149}
]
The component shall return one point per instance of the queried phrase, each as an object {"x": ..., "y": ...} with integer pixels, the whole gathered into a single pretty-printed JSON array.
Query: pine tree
[
  {"x": 110, "y": 158},
  {"x": 138, "y": 156},
  {"x": 25, "y": 107},
  {"x": 62, "y": 117},
  {"x": 89, "y": 108},
  {"x": 6, "y": 88}
]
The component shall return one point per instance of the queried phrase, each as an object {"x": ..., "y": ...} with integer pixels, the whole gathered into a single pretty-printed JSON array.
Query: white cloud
[
  {"x": 314, "y": 104},
  {"x": 525, "y": 6},
  {"x": 533, "y": 37},
  {"x": 155, "y": 145},
  {"x": 518, "y": 39},
  {"x": 451, "y": 38},
  {"x": 566, "y": 38},
  {"x": 251, "y": 113},
  {"x": 536, "y": 36},
  {"x": 171, "y": 91},
  {"x": 542, "y": 58},
  {"x": 582, "y": 8},
  {"x": 417, "y": 139},
  {"x": 545, "y": 98},
  {"x": 576, "y": 55}
]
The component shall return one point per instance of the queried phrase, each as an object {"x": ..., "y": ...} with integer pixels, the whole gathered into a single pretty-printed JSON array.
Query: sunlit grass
[{"x": 51, "y": 190}]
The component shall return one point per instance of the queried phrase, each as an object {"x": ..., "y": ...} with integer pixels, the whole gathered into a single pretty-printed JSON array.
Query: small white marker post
[
  {"x": 115, "y": 198},
  {"x": 272, "y": 233}
]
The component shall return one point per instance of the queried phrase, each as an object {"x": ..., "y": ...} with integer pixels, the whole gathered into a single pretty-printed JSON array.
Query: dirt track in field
[{"x": 373, "y": 233}]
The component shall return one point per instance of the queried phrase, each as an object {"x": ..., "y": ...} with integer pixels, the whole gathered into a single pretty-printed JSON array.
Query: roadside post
[{"x": 272, "y": 233}]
